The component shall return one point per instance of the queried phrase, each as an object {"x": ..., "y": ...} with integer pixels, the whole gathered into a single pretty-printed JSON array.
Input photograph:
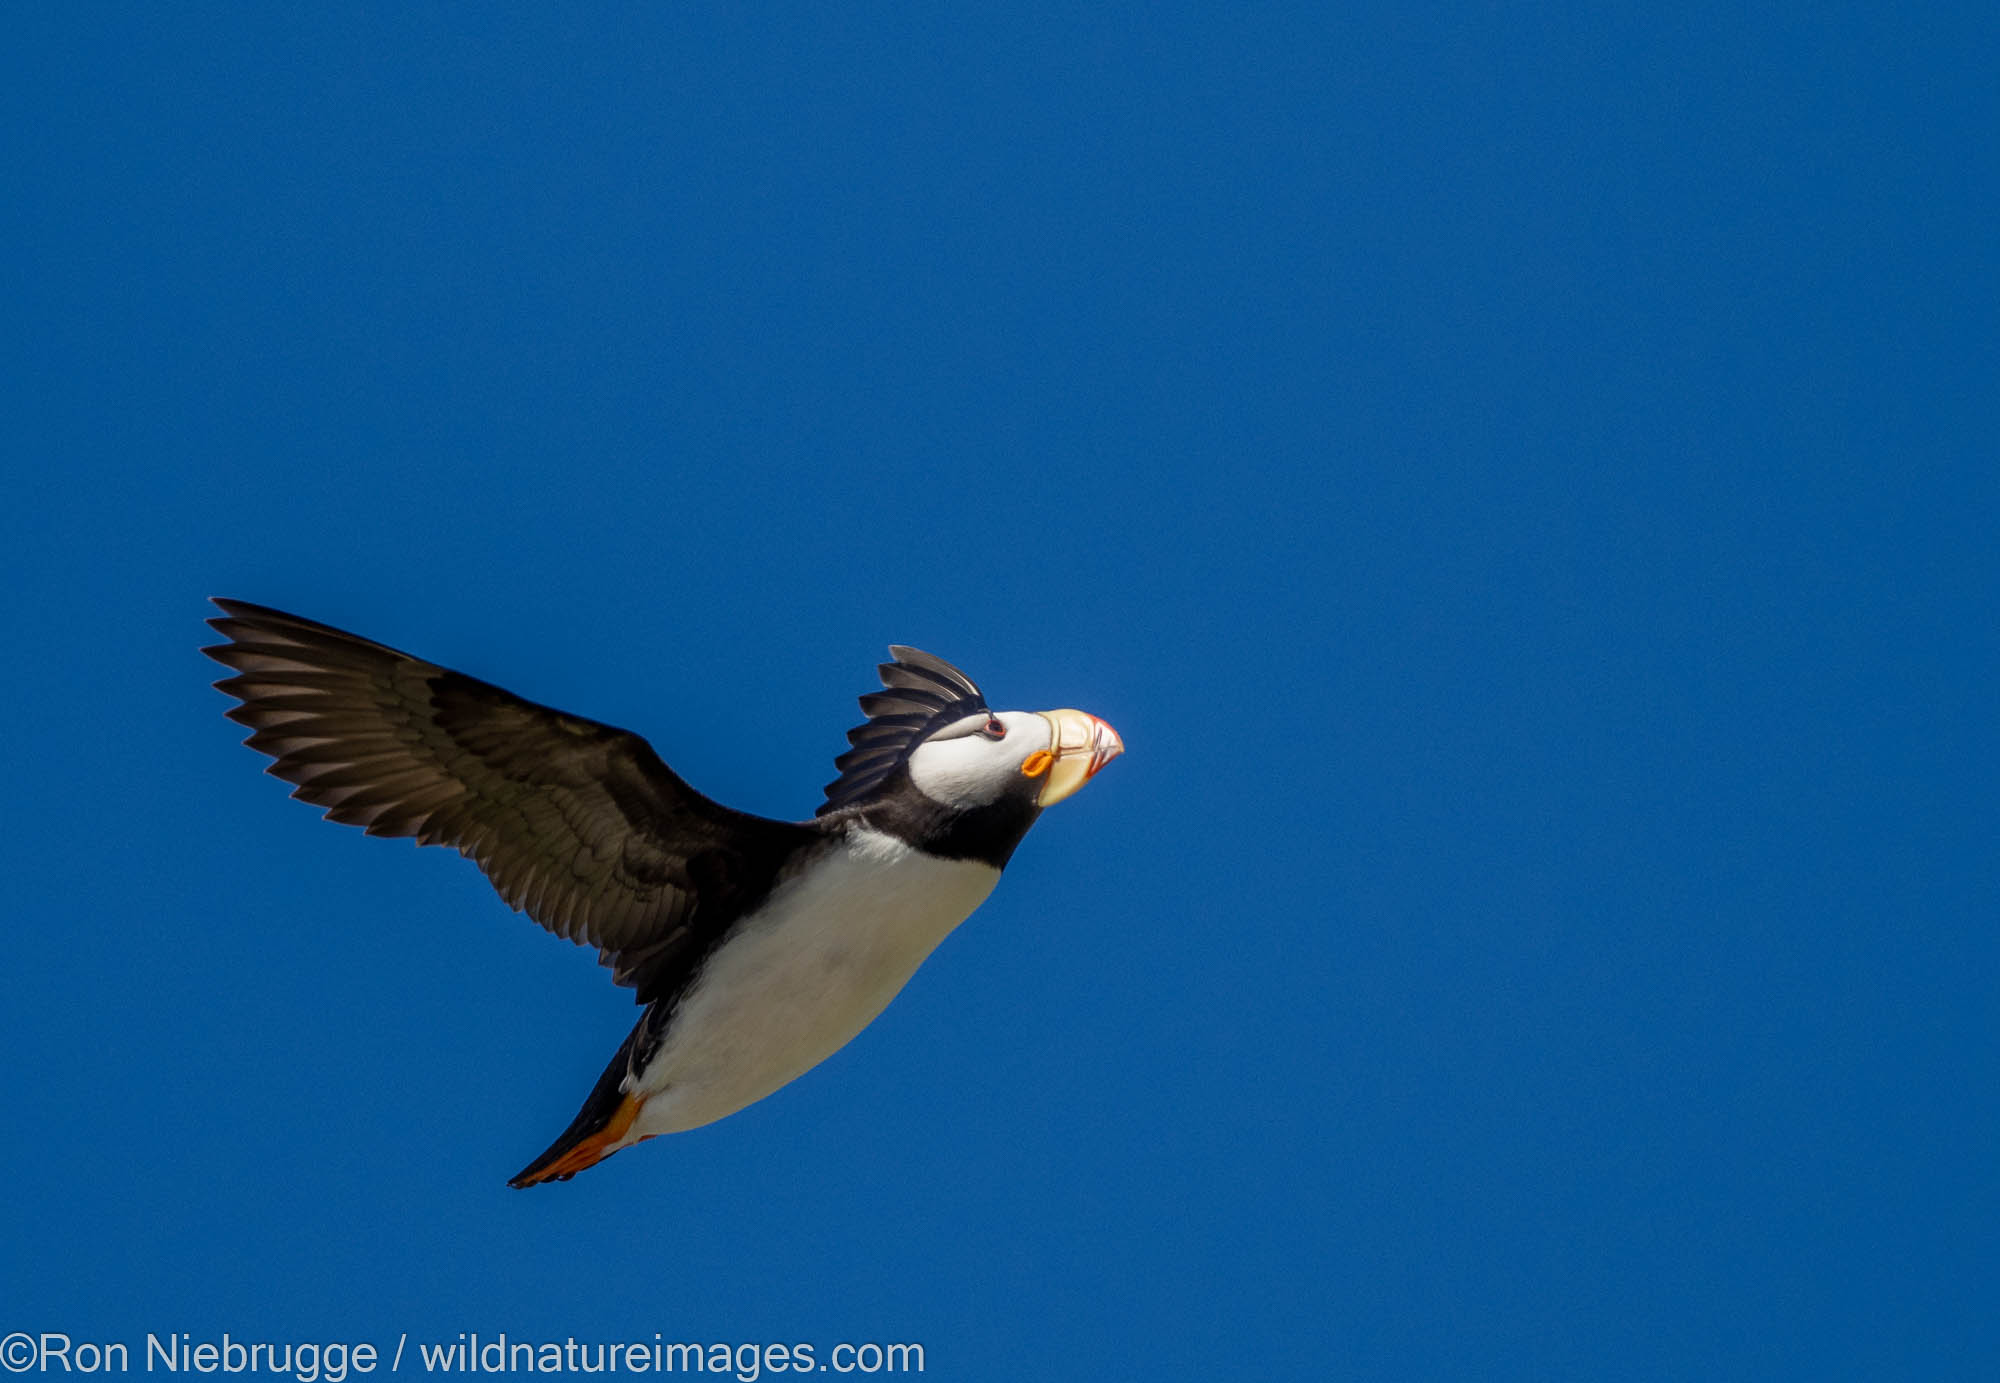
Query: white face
[{"x": 964, "y": 765}]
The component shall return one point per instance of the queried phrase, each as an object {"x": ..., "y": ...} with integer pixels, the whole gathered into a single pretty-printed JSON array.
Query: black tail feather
[{"x": 602, "y": 1102}]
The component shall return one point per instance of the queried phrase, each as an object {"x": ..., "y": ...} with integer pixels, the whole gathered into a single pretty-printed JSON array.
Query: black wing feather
[
  {"x": 577, "y": 823},
  {"x": 923, "y": 694}
]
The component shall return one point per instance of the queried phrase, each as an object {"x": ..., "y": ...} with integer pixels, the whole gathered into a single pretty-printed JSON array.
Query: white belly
[{"x": 806, "y": 972}]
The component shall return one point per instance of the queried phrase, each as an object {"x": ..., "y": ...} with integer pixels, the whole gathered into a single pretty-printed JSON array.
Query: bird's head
[
  {"x": 933, "y": 722},
  {"x": 1041, "y": 755}
]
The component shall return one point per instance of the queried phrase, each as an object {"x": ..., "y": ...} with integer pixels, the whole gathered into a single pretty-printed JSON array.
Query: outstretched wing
[
  {"x": 577, "y": 823},
  {"x": 922, "y": 693}
]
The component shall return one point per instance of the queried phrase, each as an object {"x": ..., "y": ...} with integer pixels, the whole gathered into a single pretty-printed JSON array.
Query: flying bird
[{"x": 758, "y": 947}]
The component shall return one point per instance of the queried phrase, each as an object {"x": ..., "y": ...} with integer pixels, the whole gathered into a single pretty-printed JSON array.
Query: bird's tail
[{"x": 599, "y": 1128}]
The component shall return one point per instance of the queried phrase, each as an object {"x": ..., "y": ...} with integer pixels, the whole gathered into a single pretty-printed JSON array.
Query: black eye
[{"x": 993, "y": 729}]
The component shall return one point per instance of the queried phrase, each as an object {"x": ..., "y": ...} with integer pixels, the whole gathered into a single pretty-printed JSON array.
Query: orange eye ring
[{"x": 1037, "y": 764}]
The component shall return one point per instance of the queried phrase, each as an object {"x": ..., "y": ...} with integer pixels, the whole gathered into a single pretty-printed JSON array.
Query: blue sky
[{"x": 1521, "y": 481}]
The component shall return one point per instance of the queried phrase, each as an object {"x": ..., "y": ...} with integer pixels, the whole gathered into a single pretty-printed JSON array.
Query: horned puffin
[{"x": 758, "y": 947}]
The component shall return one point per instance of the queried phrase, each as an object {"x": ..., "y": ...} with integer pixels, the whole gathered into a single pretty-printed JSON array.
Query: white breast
[{"x": 804, "y": 974}]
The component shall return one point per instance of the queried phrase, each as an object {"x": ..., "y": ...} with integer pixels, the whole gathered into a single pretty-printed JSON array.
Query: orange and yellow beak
[{"x": 1079, "y": 745}]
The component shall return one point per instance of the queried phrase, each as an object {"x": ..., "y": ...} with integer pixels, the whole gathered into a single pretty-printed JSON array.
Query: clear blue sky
[{"x": 1522, "y": 482}]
